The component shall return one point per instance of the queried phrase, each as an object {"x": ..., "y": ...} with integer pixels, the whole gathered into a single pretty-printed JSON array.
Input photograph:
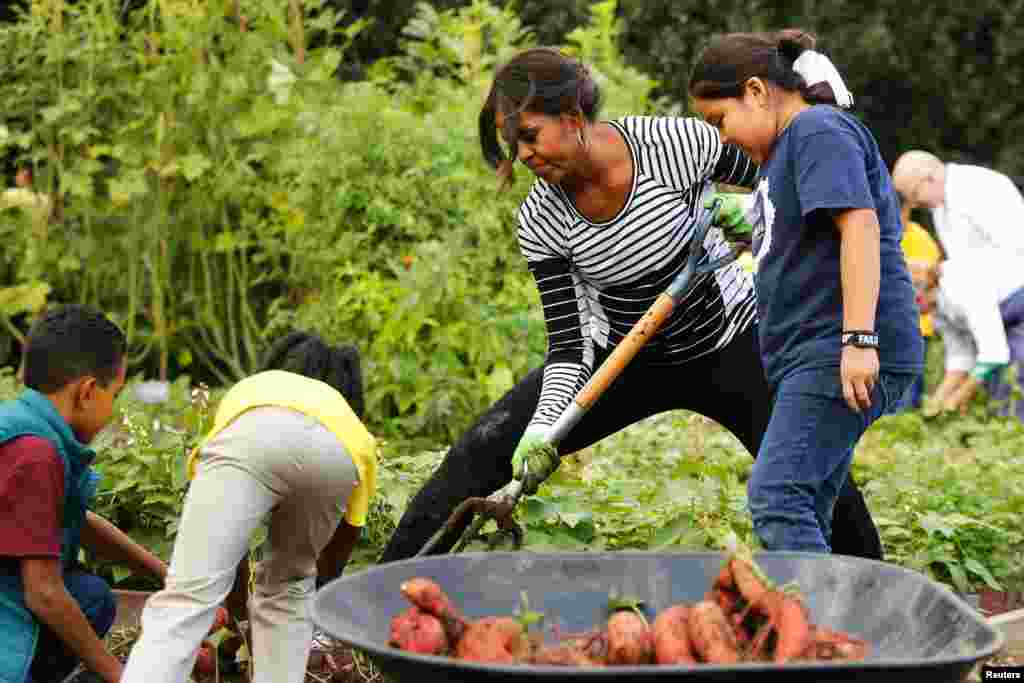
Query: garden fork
[{"x": 501, "y": 504}]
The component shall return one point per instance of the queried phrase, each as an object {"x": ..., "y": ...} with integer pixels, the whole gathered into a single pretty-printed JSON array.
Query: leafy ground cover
[{"x": 945, "y": 492}]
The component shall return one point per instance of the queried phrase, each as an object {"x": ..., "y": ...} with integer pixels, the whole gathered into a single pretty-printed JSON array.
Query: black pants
[{"x": 728, "y": 387}]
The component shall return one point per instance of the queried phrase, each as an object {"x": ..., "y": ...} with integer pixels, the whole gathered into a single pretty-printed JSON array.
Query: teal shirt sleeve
[{"x": 983, "y": 371}]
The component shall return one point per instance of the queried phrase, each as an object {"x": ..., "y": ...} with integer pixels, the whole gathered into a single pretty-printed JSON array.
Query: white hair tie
[{"x": 817, "y": 68}]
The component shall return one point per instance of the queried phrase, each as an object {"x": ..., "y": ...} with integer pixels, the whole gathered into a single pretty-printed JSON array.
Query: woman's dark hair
[
  {"x": 69, "y": 342},
  {"x": 542, "y": 80},
  {"x": 729, "y": 60},
  {"x": 307, "y": 354}
]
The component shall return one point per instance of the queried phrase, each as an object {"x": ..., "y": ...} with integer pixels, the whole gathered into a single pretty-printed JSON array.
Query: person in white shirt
[
  {"x": 978, "y": 307},
  {"x": 973, "y": 208}
]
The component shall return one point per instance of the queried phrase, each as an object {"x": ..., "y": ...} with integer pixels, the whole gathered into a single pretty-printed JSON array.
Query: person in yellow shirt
[
  {"x": 287, "y": 444},
  {"x": 921, "y": 248}
]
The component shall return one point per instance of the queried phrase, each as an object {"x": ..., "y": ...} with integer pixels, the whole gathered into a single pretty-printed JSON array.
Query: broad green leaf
[
  {"x": 219, "y": 636},
  {"x": 958, "y": 575},
  {"x": 280, "y": 81},
  {"x": 980, "y": 570},
  {"x": 326, "y": 65},
  {"x": 25, "y": 298},
  {"x": 78, "y": 184},
  {"x": 535, "y": 509},
  {"x": 499, "y": 381},
  {"x": 263, "y": 119},
  {"x": 194, "y": 165},
  {"x": 934, "y": 523},
  {"x": 126, "y": 188}
]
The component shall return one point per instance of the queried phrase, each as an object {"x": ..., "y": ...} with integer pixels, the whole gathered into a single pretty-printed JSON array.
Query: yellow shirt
[
  {"x": 918, "y": 245},
  {"x": 317, "y": 400}
]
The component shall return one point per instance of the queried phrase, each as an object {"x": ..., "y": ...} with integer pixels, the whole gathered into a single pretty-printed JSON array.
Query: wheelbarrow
[
  {"x": 500, "y": 506},
  {"x": 917, "y": 628}
]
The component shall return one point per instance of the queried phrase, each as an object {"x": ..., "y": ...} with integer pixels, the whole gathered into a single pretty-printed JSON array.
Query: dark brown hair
[
  {"x": 69, "y": 342},
  {"x": 730, "y": 60},
  {"x": 307, "y": 354},
  {"x": 542, "y": 80}
]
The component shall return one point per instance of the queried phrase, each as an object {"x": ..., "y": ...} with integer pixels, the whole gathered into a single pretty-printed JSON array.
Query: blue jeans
[
  {"x": 806, "y": 454},
  {"x": 914, "y": 397},
  {"x": 53, "y": 660}
]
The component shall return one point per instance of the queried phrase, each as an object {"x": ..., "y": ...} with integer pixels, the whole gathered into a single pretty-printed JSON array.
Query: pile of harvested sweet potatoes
[{"x": 742, "y": 618}]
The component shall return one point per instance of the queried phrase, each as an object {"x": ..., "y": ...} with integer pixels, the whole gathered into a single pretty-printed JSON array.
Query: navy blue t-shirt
[{"x": 825, "y": 161}]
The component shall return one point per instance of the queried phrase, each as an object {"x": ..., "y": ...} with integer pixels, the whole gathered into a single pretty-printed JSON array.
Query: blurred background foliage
[{"x": 216, "y": 173}]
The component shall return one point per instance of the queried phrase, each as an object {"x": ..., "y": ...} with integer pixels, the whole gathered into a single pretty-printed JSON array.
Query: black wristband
[{"x": 863, "y": 339}]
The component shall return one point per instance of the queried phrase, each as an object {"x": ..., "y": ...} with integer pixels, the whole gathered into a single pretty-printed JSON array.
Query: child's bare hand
[
  {"x": 931, "y": 407},
  {"x": 859, "y": 372}
]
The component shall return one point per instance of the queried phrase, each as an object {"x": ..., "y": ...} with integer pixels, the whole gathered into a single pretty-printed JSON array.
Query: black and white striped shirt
[{"x": 596, "y": 280}]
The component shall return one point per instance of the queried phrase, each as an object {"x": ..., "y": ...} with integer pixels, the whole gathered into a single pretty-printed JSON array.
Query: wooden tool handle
[{"x": 644, "y": 329}]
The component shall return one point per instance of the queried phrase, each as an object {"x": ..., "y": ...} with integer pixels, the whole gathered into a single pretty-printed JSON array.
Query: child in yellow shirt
[{"x": 920, "y": 247}]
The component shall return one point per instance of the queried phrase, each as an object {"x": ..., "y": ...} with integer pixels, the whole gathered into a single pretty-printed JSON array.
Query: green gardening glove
[
  {"x": 732, "y": 218},
  {"x": 533, "y": 462}
]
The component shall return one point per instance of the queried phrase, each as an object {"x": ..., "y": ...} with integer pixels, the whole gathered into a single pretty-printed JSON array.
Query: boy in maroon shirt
[{"x": 52, "y": 613}]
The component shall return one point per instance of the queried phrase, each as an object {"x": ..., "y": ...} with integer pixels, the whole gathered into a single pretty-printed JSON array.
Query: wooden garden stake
[{"x": 298, "y": 32}]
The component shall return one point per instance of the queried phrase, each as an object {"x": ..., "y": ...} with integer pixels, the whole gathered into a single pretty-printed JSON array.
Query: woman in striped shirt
[{"x": 605, "y": 228}]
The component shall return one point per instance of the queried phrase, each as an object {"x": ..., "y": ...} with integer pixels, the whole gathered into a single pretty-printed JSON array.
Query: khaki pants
[{"x": 268, "y": 461}]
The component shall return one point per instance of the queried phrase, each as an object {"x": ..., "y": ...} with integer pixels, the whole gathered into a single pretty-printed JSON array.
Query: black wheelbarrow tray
[{"x": 916, "y": 627}]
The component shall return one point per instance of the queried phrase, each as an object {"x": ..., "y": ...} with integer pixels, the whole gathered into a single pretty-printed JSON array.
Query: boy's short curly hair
[{"x": 69, "y": 342}]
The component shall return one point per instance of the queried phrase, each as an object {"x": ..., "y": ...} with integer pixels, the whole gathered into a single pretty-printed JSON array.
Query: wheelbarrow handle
[{"x": 643, "y": 329}]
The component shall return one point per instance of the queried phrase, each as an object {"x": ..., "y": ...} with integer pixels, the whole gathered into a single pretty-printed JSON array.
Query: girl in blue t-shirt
[{"x": 839, "y": 333}]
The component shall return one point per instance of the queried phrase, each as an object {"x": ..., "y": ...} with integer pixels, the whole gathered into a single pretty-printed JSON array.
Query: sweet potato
[
  {"x": 743, "y": 617},
  {"x": 562, "y": 655},
  {"x": 827, "y": 644},
  {"x": 762, "y": 643},
  {"x": 416, "y": 631},
  {"x": 497, "y": 640},
  {"x": 630, "y": 640},
  {"x": 711, "y": 637},
  {"x": 793, "y": 625},
  {"x": 427, "y": 595},
  {"x": 788, "y": 618},
  {"x": 747, "y": 579},
  {"x": 206, "y": 662},
  {"x": 221, "y": 619},
  {"x": 725, "y": 580},
  {"x": 672, "y": 637}
]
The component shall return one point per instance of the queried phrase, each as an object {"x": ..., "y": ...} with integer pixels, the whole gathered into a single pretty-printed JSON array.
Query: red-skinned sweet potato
[
  {"x": 562, "y": 655},
  {"x": 416, "y": 631},
  {"x": 827, "y": 644},
  {"x": 747, "y": 581},
  {"x": 672, "y": 636},
  {"x": 630, "y": 640},
  {"x": 786, "y": 634},
  {"x": 206, "y": 662},
  {"x": 711, "y": 636},
  {"x": 427, "y": 595},
  {"x": 221, "y": 619},
  {"x": 497, "y": 640},
  {"x": 792, "y": 623}
]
